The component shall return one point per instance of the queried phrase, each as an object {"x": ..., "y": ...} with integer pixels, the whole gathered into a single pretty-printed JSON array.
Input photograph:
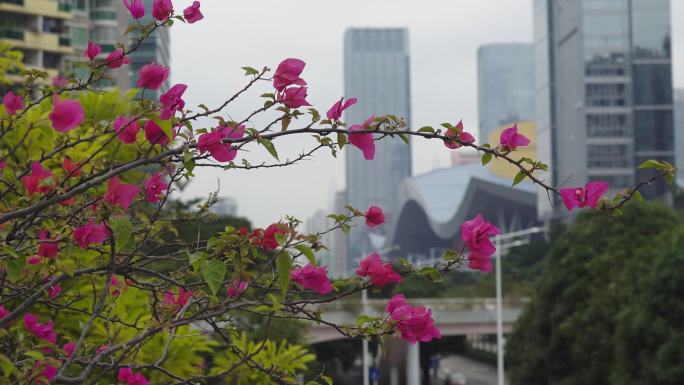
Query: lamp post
[{"x": 499, "y": 296}]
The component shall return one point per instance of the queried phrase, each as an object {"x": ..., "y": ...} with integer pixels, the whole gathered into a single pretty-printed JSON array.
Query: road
[{"x": 476, "y": 373}]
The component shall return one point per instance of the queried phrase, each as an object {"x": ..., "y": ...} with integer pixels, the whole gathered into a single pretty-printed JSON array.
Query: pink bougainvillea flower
[
  {"x": 380, "y": 273},
  {"x": 177, "y": 301},
  {"x": 312, "y": 277},
  {"x": 43, "y": 331},
  {"x": 363, "y": 141},
  {"x": 90, "y": 233},
  {"x": 116, "y": 286},
  {"x": 47, "y": 374},
  {"x": 92, "y": 51},
  {"x": 54, "y": 291},
  {"x": 418, "y": 326},
  {"x": 192, "y": 13},
  {"x": 287, "y": 74},
  {"x": 60, "y": 81},
  {"x": 475, "y": 234},
  {"x": 127, "y": 376},
  {"x": 335, "y": 112},
  {"x": 47, "y": 248},
  {"x": 155, "y": 134},
  {"x": 34, "y": 260},
  {"x": 374, "y": 216},
  {"x": 267, "y": 238},
  {"x": 135, "y": 7},
  {"x": 71, "y": 168},
  {"x": 120, "y": 194},
  {"x": 40, "y": 180},
  {"x": 413, "y": 323},
  {"x": 236, "y": 288},
  {"x": 126, "y": 129},
  {"x": 172, "y": 101},
  {"x": 161, "y": 9},
  {"x": 3, "y": 312},
  {"x": 69, "y": 348},
  {"x": 583, "y": 197},
  {"x": 12, "y": 103},
  {"x": 155, "y": 187},
  {"x": 117, "y": 58},
  {"x": 152, "y": 76},
  {"x": 294, "y": 97},
  {"x": 510, "y": 139},
  {"x": 459, "y": 134},
  {"x": 102, "y": 348},
  {"x": 66, "y": 114},
  {"x": 213, "y": 142}
]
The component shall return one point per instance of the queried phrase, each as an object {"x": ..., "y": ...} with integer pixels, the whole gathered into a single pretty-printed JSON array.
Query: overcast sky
[{"x": 444, "y": 36}]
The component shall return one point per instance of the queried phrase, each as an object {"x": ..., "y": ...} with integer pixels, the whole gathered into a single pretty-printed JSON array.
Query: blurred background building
[
  {"x": 679, "y": 127},
  {"x": 604, "y": 91},
  {"x": 53, "y": 35},
  {"x": 505, "y": 85},
  {"x": 376, "y": 71}
]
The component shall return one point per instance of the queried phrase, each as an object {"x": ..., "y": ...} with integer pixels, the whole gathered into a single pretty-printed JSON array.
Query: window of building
[
  {"x": 607, "y": 156},
  {"x": 607, "y": 125},
  {"x": 79, "y": 36},
  {"x": 654, "y": 130},
  {"x": 51, "y": 60}
]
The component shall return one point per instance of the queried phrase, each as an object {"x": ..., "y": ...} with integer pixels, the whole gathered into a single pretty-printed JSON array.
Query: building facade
[
  {"x": 376, "y": 71},
  {"x": 603, "y": 91},
  {"x": 505, "y": 85},
  {"x": 39, "y": 29}
]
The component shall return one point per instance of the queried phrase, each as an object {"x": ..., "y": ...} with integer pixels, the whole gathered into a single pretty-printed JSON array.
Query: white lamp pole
[{"x": 499, "y": 296}]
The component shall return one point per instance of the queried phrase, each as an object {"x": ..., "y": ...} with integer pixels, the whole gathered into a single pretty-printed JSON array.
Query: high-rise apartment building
[
  {"x": 604, "y": 91},
  {"x": 505, "y": 85},
  {"x": 53, "y": 35},
  {"x": 38, "y": 28},
  {"x": 376, "y": 71}
]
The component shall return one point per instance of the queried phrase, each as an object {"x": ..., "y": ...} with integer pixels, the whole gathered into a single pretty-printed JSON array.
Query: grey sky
[{"x": 444, "y": 36}]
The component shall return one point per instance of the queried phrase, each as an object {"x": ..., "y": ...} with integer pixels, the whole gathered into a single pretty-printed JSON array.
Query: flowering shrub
[{"x": 83, "y": 227}]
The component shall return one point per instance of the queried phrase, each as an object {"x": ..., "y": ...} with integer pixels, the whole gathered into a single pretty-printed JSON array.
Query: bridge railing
[{"x": 436, "y": 304}]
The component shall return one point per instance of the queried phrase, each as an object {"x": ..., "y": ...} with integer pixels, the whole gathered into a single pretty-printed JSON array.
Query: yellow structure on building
[
  {"x": 37, "y": 28},
  {"x": 504, "y": 169}
]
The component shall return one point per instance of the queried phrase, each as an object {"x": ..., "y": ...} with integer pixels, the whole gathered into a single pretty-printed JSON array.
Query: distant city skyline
[{"x": 443, "y": 65}]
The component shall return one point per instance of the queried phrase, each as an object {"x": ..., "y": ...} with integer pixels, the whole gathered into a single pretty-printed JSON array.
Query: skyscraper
[
  {"x": 505, "y": 85},
  {"x": 376, "y": 71},
  {"x": 604, "y": 91}
]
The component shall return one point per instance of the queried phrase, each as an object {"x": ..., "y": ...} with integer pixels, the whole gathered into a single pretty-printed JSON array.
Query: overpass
[{"x": 453, "y": 316}]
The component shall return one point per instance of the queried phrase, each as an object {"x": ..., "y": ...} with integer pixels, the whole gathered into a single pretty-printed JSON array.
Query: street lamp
[{"x": 499, "y": 320}]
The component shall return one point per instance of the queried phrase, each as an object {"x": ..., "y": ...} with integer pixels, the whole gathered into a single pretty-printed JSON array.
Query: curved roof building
[{"x": 433, "y": 206}]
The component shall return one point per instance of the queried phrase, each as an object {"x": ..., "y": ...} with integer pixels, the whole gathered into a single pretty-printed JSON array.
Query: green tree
[{"x": 578, "y": 327}]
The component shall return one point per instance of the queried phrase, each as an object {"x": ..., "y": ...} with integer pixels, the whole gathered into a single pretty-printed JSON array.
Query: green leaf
[
  {"x": 285, "y": 123},
  {"x": 250, "y": 71},
  {"x": 448, "y": 126},
  {"x": 431, "y": 273},
  {"x": 16, "y": 266},
  {"x": 327, "y": 379},
  {"x": 284, "y": 266},
  {"x": 486, "y": 158},
  {"x": 341, "y": 139},
  {"x": 66, "y": 266},
  {"x": 213, "y": 272},
  {"x": 637, "y": 196},
  {"x": 404, "y": 138},
  {"x": 315, "y": 115},
  {"x": 519, "y": 177},
  {"x": 650, "y": 164},
  {"x": 306, "y": 250},
  {"x": 427, "y": 129},
  {"x": 36, "y": 355},
  {"x": 270, "y": 147},
  {"x": 6, "y": 365},
  {"x": 123, "y": 233},
  {"x": 449, "y": 255}
]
